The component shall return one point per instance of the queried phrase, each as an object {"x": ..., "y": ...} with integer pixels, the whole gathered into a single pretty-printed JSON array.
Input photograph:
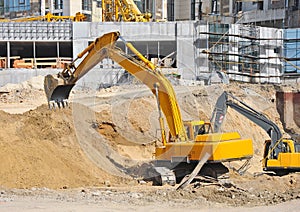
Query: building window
[
  {"x": 214, "y": 7},
  {"x": 1, "y": 7},
  {"x": 21, "y": 1},
  {"x": 239, "y": 7},
  {"x": 58, "y": 4},
  {"x": 99, "y": 3},
  {"x": 170, "y": 10},
  {"x": 193, "y": 15},
  {"x": 260, "y": 5},
  {"x": 87, "y": 5}
]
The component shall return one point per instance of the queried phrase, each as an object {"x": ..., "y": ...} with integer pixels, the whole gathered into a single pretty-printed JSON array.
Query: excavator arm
[
  {"x": 258, "y": 118},
  {"x": 58, "y": 87},
  {"x": 152, "y": 78}
]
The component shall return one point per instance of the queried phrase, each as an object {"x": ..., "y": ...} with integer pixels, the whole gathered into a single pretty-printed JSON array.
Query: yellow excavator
[
  {"x": 49, "y": 17},
  {"x": 188, "y": 141},
  {"x": 123, "y": 10},
  {"x": 281, "y": 155}
]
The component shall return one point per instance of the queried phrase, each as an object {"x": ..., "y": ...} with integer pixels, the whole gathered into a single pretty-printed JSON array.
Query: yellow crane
[
  {"x": 123, "y": 10},
  {"x": 188, "y": 141},
  {"x": 49, "y": 17}
]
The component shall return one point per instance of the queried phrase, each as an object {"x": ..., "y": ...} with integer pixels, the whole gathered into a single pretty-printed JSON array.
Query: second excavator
[
  {"x": 281, "y": 155},
  {"x": 187, "y": 141}
]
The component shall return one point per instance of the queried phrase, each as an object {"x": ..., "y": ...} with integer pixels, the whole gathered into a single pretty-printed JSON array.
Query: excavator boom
[{"x": 57, "y": 88}]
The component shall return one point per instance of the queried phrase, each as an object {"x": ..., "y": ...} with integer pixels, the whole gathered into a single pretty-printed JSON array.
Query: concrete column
[
  {"x": 8, "y": 54},
  {"x": 57, "y": 49},
  {"x": 43, "y": 7},
  {"x": 51, "y": 6},
  {"x": 34, "y": 54},
  {"x": 57, "y": 60},
  {"x": 147, "y": 50},
  {"x": 154, "y": 9},
  {"x": 231, "y": 11},
  {"x": 164, "y": 9},
  {"x": 158, "y": 49}
]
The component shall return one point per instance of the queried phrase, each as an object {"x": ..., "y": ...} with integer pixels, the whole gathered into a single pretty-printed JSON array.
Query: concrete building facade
[
  {"x": 269, "y": 13},
  {"x": 193, "y": 50}
]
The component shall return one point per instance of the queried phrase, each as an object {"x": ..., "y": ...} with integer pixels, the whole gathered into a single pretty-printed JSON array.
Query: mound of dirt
[{"x": 39, "y": 149}]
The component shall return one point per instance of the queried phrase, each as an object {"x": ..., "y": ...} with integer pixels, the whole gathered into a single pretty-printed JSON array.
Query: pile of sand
[{"x": 39, "y": 149}]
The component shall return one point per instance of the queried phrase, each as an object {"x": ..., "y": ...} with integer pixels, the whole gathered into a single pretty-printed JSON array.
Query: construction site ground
[{"x": 91, "y": 155}]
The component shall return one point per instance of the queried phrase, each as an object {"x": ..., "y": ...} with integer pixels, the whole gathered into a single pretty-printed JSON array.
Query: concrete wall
[
  {"x": 185, "y": 52},
  {"x": 129, "y": 30},
  {"x": 181, "y": 33},
  {"x": 261, "y": 15},
  {"x": 142, "y": 33},
  {"x": 190, "y": 43},
  {"x": 70, "y": 8},
  {"x": 96, "y": 12},
  {"x": 16, "y": 76},
  {"x": 182, "y": 10}
]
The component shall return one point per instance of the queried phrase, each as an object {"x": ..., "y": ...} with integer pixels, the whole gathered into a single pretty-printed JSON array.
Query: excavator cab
[{"x": 194, "y": 128}]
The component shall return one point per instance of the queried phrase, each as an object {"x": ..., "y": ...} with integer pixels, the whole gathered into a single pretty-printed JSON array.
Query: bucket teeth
[{"x": 58, "y": 103}]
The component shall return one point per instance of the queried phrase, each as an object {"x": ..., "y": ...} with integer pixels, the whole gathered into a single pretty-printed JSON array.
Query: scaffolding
[{"x": 244, "y": 51}]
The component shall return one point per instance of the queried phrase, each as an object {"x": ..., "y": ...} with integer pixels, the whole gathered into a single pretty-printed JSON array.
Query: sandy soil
[{"x": 80, "y": 158}]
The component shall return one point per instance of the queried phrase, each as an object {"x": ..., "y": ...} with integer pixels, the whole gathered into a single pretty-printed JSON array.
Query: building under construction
[{"x": 196, "y": 50}]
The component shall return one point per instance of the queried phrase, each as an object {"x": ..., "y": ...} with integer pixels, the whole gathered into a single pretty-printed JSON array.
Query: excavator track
[{"x": 166, "y": 176}]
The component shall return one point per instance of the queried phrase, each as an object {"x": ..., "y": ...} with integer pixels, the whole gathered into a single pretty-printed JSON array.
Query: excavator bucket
[{"x": 57, "y": 91}]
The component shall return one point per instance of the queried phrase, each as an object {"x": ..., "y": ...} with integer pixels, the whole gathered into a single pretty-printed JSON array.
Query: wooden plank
[{"x": 188, "y": 178}]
